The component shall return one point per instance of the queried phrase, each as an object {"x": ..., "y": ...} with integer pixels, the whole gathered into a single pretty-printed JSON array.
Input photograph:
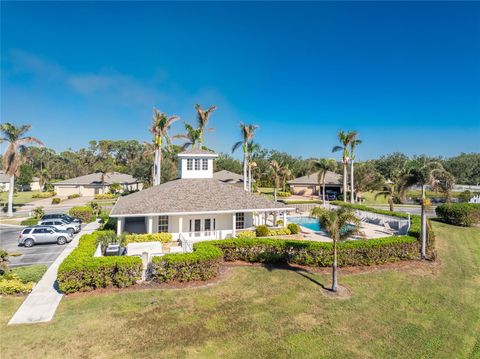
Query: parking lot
[{"x": 38, "y": 254}]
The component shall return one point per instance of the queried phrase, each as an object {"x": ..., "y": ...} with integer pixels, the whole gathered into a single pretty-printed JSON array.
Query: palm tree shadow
[{"x": 300, "y": 271}]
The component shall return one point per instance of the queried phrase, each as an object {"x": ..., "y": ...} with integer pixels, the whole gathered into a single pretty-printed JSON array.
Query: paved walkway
[{"x": 42, "y": 302}]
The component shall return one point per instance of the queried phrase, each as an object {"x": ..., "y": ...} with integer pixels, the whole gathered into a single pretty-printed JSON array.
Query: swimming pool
[{"x": 307, "y": 222}]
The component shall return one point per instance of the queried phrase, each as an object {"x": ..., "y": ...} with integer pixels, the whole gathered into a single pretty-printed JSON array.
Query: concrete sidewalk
[{"x": 42, "y": 302}]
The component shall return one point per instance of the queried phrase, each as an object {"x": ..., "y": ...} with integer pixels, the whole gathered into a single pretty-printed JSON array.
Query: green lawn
[
  {"x": 19, "y": 198},
  {"x": 426, "y": 311}
]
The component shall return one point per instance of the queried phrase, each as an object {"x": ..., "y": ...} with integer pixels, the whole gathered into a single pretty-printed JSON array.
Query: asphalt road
[{"x": 38, "y": 254}]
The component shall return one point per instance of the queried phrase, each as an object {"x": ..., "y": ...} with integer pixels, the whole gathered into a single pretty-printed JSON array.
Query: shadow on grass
[{"x": 300, "y": 271}]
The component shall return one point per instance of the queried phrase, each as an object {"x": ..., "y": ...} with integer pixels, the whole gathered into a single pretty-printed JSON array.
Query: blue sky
[{"x": 405, "y": 75}]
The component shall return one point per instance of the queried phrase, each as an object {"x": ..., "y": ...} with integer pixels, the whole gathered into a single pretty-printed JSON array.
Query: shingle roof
[
  {"x": 228, "y": 177},
  {"x": 96, "y": 178},
  {"x": 197, "y": 151},
  {"x": 191, "y": 195},
  {"x": 312, "y": 179}
]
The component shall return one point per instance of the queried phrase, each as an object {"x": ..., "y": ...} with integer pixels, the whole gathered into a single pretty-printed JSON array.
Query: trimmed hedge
[
  {"x": 29, "y": 222},
  {"x": 56, "y": 200},
  {"x": 43, "y": 194},
  {"x": 246, "y": 234},
  {"x": 85, "y": 213},
  {"x": 294, "y": 228},
  {"x": 283, "y": 194},
  {"x": 106, "y": 196},
  {"x": 459, "y": 214},
  {"x": 80, "y": 271},
  {"x": 149, "y": 237},
  {"x": 72, "y": 196},
  {"x": 264, "y": 231},
  {"x": 202, "y": 264},
  {"x": 319, "y": 254}
]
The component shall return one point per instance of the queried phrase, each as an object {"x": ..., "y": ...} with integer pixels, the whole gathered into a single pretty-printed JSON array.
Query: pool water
[{"x": 307, "y": 222}]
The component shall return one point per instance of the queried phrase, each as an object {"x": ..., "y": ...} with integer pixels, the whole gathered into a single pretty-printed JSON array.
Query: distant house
[
  {"x": 229, "y": 177},
  {"x": 309, "y": 186},
  {"x": 195, "y": 206},
  {"x": 5, "y": 183},
  {"x": 92, "y": 184}
]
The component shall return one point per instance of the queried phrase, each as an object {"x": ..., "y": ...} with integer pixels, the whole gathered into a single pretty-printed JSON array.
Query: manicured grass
[
  {"x": 425, "y": 311},
  {"x": 19, "y": 198}
]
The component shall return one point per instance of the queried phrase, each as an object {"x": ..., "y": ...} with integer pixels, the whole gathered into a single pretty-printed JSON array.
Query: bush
[
  {"x": 294, "y": 228},
  {"x": 148, "y": 237},
  {"x": 29, "y": 222},
  {"x": 109, "y": 223},
  {"x": 31, "y": 273},
  {"x": 283, "y": 194},
  {"x": 280, "y": 222},
  {"x": 319, "y": 254},
  {"x": 80, "y": 271},
  {"x": 11, "y": 284},
  {"x": 279, "y": 232},
  {"x": 202, "y": 264},
  {"x": 106, "y": 196},
  {"x": 56, "y": 200},
  {"x": 460, "y": 214},
  {"x": 43, "y": 194},
  {"x": 72, "y": 196},
  {"x": 85, "y": 213},
  {"x": 246, "y": 234},
  {"x": 262, "y": 231},
  {"x": 38, "y": 212}
]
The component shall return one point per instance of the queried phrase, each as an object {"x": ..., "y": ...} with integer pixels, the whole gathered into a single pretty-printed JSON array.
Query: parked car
[
  {"x": 62, "y": 216},
  {"x": 61, "y": 224},
  {"x": 43, "y": 234}
]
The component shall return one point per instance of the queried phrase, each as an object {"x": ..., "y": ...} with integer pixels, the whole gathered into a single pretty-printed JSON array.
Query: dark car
[{"x": 62, "y": 216}]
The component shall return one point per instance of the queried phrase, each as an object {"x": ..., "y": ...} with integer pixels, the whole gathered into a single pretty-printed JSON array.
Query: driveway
[
  {"x": 38, "y": 254},
  {"x": 48, "y": 207}
]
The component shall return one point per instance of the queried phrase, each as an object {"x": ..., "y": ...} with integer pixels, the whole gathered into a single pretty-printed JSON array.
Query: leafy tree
[
  {"x": 228, "y": 163},
  {"x": 25, "y": 176},
  {"x": 392, "y": 166},
  {"x": 14, "y": 153},
  {"x": 444, "y": 182},
  {"x": 3, "y": 261},
  {"x": 389, "y": 193},
  {"x": 464, "y": 167},
  {"x": 338, "y": 225},
  {"x": 115, "y": 188},
  {"x": 367, "y": 178}
]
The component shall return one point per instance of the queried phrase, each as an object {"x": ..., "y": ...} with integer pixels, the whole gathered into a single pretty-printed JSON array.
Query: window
[
  {"x": 189, "y": 164},
  {"x": 26, "y": 231},
  {"x": 204, "y": 164},
  {"x": 197, "y": 164},
  {"x": 40, "y": 230},
  {"x": 163, "y": 224},
  {"x": 240, "y": 220}
]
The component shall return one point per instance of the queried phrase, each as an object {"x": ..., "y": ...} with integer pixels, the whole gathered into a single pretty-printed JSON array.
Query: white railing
[
  {"x": 186, "y": 246},
  {"x": 203, "y": 235}
]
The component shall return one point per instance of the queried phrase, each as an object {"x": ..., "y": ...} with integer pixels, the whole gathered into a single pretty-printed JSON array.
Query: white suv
[{"x": 71, "y": 227}]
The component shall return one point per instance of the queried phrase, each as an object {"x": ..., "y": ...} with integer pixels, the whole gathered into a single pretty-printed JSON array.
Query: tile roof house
[
  {"x": 195, "y": 206},
  {"x": 92, "y": 184},
  {"x": 308, "y": 185}
]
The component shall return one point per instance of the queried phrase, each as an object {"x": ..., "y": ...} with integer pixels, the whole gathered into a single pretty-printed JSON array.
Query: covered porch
[{"x": 202, "y": 225}]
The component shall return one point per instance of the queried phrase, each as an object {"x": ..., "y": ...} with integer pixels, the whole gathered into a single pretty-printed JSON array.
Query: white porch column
[
  {"x": 180, "y": 225},
  {"x": 120, "y": 225},
  {"x": 150, "y": 224},
  {"x": 234, "y": 224},
  {"x": 265, "y": 216},
  {"x": 285, "y": 220}
]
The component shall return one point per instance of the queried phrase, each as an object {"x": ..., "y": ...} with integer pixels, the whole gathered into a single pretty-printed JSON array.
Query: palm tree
[
  {"x": 338, "y": 224},
  {"x": 203, "y": 117},
  {"x": 286, "y": 174},
  {"x": 344, "y": 139},
  {"x": 248, "y": 132},
  {"x": 388, "y": 192},
  {"x": 14, "y": 154},
  {"x": 354, "y": 141},
  {"x": 444, "y": 182},
  {"x": 251, "y": 148},
  {"x": 323, "y": 166},
  {"x": 160, "y": 125},
  {"x": 276, "y": 170},
  {"x": 191, "y": 136}
]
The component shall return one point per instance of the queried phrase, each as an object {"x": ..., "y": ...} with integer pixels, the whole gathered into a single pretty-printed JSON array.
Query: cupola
[{"x": 196, "y": 163}]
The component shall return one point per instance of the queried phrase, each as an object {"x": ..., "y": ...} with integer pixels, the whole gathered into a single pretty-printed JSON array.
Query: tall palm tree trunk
[
  {"x": 334, "y": 267},
  {"x": 156, "y": 167},
  {"x": 250, "y": 178},
  {"x": 159, "y": 173},
  {"x": 245, "y": 179},
  {"x": 344, "y": 181},
  {"x": 275, "y": 192},
  {"x": 423, "y": 191},
  {"x": 323, "y": 192},
  {"x": 352, "y": 197},
  {"x": 10, "y": 196}
]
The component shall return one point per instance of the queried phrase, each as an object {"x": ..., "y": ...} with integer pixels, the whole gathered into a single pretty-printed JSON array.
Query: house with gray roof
[
  {"x": 195, "y": 206},
  {"x": 309, "y": 185},
  {"x": 95, "y": 183},
  {"x": 5, "y": 183},
  {"x": 229, "y": 177}
]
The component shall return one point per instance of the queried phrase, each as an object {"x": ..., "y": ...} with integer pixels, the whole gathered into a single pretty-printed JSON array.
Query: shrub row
[
  {"x": 149, "y": 237},
  {"x": 72, "y": 196},
  {"x": 106, "y": 196},
  {"x": 29, "y": 222},
  {"x": 202, "y": 264},
  {"x": 264, "y": 231},
  {"x": 10, "y": 283},
  {"x": 362, "y": 207},
  {"x": 246, "y": 234},
  {"x": 80, "y": 271},
  {"x": 319, "y": 254},
  {"x": 85, "y": 213},
  {"x": 283, "y": 194},
  {"x": 43, "y": 194},
  {"x": 460, "y": 214}
]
